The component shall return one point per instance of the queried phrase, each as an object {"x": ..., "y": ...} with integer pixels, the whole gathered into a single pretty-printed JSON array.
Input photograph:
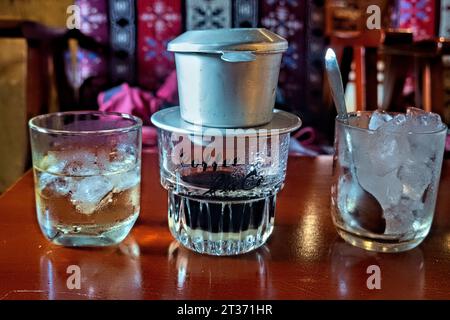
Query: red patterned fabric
[
  {"x": 287, "y": 18},
  {"x": 94, "y": 19},
  {"x": 419, "y": 16},
  {"x": 94, "y": 23},
  {"x": 159, "y": 21}
]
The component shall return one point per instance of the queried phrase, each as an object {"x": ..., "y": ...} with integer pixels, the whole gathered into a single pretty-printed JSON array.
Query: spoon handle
[{"x": 335, "y": 81}]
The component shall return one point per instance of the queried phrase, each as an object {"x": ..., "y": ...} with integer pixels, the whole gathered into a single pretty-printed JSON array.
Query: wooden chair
[
  {"x": 37, "y": 66},
  {"x": 362, "y": 48},
  {"x": 426, "y": 59},
  {"x": 400, "y": 55},
  {"x": 45, "y": 49}
]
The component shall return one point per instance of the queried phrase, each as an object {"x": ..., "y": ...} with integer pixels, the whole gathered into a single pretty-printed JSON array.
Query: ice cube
[
  {"x": 50, "y": 183},
  {"x": 424, "y": 147},
  {"x": 45, "y": 179},
  {"x": 103, "y": 158},
  {"x": 356, "y": 141},
  {"x": 386, "y": 151},
  {"x": 415, "y": 177},
  {"x": 63, "y": 185},
  {"x": 70, "y": 162},
  {"x": 383, "y": 149},
  {"x": 88, "y": 192},
  {"x": 125, "y": 180},
  {"x": 82, "y": 163},
  {"x": 378, "y": 119},
  {"x": 386, "y": 189},
  {"x": 412, "y": 111},
  {"x": 123, "y": 152},
  {"x": 126, "y": 163},
  {"x": 420, "y": 121},
  {"x": 52, "y": 163},
  {"x": 399, "y": 220},
  {"x": 397, "y": 124},
  {"x": 416, "y": 206}
]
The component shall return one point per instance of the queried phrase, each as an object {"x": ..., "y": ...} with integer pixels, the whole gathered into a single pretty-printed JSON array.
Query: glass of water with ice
[
  {"x": 385, "y": 178},
  {"x": 87, "y": 168}
]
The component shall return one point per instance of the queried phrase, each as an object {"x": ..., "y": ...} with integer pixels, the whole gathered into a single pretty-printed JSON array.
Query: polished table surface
[{"x": 304, "y": 258}]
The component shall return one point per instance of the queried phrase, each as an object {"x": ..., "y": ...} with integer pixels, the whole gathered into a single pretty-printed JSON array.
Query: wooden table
[{"x": 304, "y": 258}]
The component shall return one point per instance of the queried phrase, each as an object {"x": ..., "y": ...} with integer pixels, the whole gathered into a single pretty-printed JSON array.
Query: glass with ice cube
[
  {"x": 87, "y": 169},
  {"x": 396, "y": 159}
]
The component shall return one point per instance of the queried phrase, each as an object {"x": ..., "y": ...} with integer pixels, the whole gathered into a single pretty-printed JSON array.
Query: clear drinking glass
[
  {"x": 397, "y": 165},
  {"x": 222, "y": 199},
  {"x": 87, "y": 169}
]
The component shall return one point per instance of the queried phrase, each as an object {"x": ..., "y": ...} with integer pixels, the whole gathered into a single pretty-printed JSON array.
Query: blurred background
[{"x": 111, "y": 55}]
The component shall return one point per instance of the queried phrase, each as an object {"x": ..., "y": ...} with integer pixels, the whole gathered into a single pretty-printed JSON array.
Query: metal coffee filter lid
[
  {"x": 222, "y": 40},
  {"x": 170, "y": 120}
]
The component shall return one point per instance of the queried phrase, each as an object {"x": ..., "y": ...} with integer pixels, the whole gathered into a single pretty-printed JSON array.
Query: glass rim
[
  {"x": 359, "y": 113},
  {"x": 136, "y": 125}
]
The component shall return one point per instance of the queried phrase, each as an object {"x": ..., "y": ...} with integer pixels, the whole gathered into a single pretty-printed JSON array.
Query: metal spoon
[{"x": 366, "y": 210}]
